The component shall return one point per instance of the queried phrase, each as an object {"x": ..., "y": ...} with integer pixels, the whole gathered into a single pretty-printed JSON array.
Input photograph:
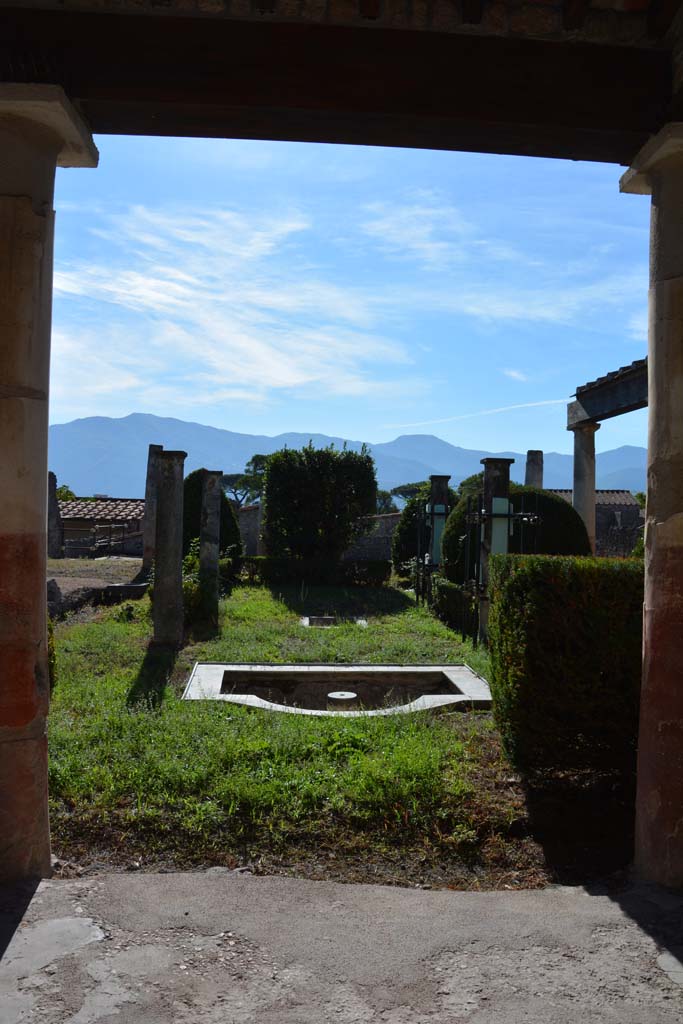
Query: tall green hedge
[
  {"x": 561, "y": 531},
  {"x": 192, "y": 514},
  {"x": 316, "y": 501},
  {"x": 565, "y": 648}
]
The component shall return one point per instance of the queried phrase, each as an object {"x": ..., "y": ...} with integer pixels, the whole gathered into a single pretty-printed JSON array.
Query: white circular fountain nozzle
[{"x": 341, "y": 700}]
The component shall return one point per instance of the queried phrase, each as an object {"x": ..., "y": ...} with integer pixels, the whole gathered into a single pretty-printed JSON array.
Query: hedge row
[
  {"x": 451, "y": 603},
  {"x": 270, "y": 569},
  {"x": 561, "y": 531},
  {"x": 565, "y": 647}
]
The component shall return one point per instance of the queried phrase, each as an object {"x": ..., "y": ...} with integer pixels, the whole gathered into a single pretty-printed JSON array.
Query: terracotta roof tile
[
  {"x": 602, "y": 497},
  {"x": 104, "y": 510}
]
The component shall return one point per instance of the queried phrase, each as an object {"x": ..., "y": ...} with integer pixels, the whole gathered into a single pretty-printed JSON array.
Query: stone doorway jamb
[
  {"x": 39, "y": 131},
  {"x": 657, "y": 170}
]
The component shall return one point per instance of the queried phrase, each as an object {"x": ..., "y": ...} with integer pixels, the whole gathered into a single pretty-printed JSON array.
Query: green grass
[{"x": 134, "y": 768}]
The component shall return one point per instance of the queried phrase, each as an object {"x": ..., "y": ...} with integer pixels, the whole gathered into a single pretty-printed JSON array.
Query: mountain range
[{"x": 101, "y": 455}]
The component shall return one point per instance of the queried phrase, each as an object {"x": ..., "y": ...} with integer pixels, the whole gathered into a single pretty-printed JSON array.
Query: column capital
[
  {"x": 667, "y": 144},
  {"x": 587, "y": 427},
  {"x": 48, "y": 107}
]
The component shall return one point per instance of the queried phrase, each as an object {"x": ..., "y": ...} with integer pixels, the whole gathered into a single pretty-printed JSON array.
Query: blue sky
[{"x": 264, "y": 287}]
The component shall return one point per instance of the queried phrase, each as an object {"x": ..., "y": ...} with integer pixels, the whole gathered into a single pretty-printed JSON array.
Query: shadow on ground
[
  {"x": 150, "y": 683},
  {"x": 14, "y": 902},
  {"x": 584, "y": 824},
  {"x": 342, "y": 601}
]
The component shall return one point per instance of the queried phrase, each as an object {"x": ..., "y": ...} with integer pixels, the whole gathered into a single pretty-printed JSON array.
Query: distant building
[
  {"x": 113, "y": 525},
  {"x": 618, "y": 520}
]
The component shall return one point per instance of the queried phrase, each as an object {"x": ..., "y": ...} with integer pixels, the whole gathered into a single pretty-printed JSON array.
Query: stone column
[
  {"x": 55, "y": 534},
  {"x": 496, "y": 485},
  {"x": 149, "y": 523},
  {"x": 38, "y": 130},
  {"x": 209, "y": 544},
  {"x": 168, "y": 562},
  {"x": 658, "y": 170},
  {"x": 583, "y": 494},
  {"x": 533, "y": 476},
  {"x": 438, "y": 500}
]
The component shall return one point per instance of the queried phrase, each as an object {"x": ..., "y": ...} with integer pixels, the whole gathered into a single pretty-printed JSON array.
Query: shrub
[
  {"x": 565, "y": 646},
  {"x": 452, "y": 604},
  {"x": 271, "y": 570},
  {"x": 315, "y": 500},
  {"x": 192, "y": 513},
  {"x": 561, "y": 531},
  {"x": 373, "y": 572},
  {"x": 404, "y": 540}
]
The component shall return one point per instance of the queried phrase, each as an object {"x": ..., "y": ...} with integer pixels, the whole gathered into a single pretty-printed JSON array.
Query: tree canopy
[
  {"x": 246, "y": 487},
  {"x": 316, "y": 499}
]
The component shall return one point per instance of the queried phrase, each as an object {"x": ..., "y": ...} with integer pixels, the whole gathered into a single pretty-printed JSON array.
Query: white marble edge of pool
[{"x": 206, "y": 679}]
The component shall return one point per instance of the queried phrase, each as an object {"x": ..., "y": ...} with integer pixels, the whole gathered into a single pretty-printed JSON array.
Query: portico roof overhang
[{"x": 298, "y": 80}]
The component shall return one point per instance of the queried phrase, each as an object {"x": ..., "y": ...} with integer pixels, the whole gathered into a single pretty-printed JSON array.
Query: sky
[{"x": 353, "y": 291}]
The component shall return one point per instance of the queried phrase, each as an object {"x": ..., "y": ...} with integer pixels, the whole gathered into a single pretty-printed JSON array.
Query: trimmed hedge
[
  {"x": 561, "y": 531},
  {"x": 565, "y": 647},
  {"x": 269, "y": 570},
  {"x": 451, "y": 603},
  {"x": 230, "y": 539}
]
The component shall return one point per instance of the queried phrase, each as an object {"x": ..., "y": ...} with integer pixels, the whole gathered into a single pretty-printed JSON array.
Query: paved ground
[{"x": 220, "y": 947}]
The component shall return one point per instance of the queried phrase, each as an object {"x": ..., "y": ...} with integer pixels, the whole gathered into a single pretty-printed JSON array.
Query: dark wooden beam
[
  {"x": 204, "y": 77},
  {"x": 607, "y": 398}
]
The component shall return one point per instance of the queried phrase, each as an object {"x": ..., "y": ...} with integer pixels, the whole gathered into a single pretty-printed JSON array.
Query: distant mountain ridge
[{"x": 101, "y": 455}]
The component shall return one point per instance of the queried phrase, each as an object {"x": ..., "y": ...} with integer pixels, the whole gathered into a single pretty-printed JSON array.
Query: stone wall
[
  {"x": 376, "y": 543},
  {"x": 249, "y": 519}
]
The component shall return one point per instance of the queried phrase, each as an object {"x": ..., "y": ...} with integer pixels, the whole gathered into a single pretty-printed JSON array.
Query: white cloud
[
  {"x": 479, "y": 412},
  {"x": 515, "y": 375},
  {"x": 214, "y": 304}
]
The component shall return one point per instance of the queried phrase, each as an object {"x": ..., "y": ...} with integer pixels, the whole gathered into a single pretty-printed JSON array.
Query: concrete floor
[{"x": 225, "y": 947}]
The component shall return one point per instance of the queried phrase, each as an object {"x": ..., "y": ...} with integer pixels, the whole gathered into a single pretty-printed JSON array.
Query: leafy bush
[
  {"x": 561, "y": 531},
  {"x": 451, "y": 603},
  {"x": 271, "y": 570},
  {"x": 192, "y": 513},
  {"x": 229, "y": 569},
  {"x": 404, "y": 540},
  {"x": 315, "y": 500},
  {"x": 565, "y": 647},
  {"x": 374, "y": 572}
]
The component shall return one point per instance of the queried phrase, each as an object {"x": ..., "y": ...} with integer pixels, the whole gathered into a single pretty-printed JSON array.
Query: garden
[{"x": 541, "y": 790}]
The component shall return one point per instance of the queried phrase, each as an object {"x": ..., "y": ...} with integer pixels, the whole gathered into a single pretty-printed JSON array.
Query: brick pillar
[
  {"x": 29, "y": 152},
  {"x": 533, "y": 475},
  {"x": 55, "y": 531},
  {"x": 496, "y": 485},
  {"x": 168, "y": 563},
  {"x": 149, "y": 523},
  {"x": 209, "y": 544},
  {"x": 658, "y": 170}
]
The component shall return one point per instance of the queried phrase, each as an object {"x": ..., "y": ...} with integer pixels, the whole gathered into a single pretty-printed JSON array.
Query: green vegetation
[
  {"x": 565, "y": 647},
  {"x": 560, "y": 532},
  {"x": 247, "y": 487},
  {"x": 271, "y": 570},
  {"x": 132, "y": 767},
  {"x": 64, "y": 493},
  {"x": 192, "y": 511},
  {"x": 385, "y": 503},
  {"x": 404, "y": 540},
  {"x": 315, "y": 501}
]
